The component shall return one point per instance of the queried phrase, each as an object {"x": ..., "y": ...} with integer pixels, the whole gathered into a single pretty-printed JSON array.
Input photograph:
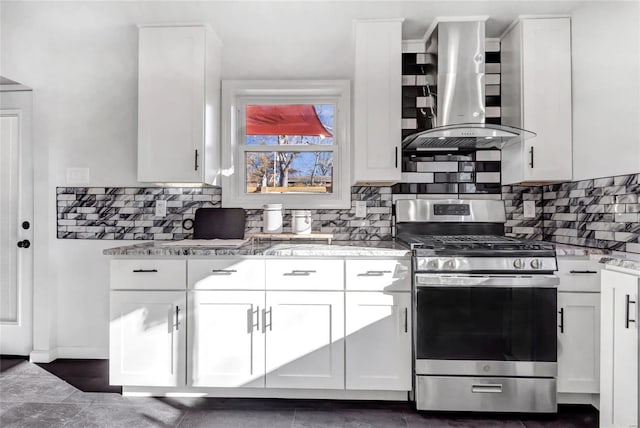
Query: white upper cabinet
[
  {"x": 377, "y": 101},
  {"x": 536, "y": 96},
  {"x": 178, "y": 104}
]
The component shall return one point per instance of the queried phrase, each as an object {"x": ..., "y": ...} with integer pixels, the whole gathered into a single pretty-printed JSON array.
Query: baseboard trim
[
  {"x": 73, "y": 352},
  {"x": 44, "y": 356},
  {"x": 339, "y": 394},
  {"x": 78, "y": 352}
]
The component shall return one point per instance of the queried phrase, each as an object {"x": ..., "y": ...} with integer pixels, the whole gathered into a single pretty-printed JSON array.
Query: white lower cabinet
[
  {"x": 147, "y": 338},
  {"x": 619, "y": 358},
  {"x": 304, "y": 339},
  {"x": 378, "y": 341},
  {"x": 225, "y": 345},
  {"x": 579, "y": 343}
]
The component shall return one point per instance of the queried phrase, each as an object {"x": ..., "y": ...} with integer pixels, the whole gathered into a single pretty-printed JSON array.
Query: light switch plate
[
  {"x": 361, "y": 209},
  {"x": 529, "y": 209},
  {"x": 161, "y": 208}
]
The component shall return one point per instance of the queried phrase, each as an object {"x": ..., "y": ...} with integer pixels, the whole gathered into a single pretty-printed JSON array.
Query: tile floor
[{"x": 32, "y": 397}]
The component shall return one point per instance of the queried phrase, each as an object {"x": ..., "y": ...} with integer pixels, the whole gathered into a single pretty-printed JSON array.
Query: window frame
[{"x": 237, "y": 94}]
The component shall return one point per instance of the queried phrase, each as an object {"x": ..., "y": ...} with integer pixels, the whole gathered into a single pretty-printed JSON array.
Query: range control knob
[
  {"x": 518, "y": 264},
  {"x": 451, "y": 264},
  {"x": 535, "y": 264},
  {"x": 433, "y": 264}
]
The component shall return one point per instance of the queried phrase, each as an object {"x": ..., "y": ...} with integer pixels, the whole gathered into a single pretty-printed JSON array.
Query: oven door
[{"x": 486, "y": 325}]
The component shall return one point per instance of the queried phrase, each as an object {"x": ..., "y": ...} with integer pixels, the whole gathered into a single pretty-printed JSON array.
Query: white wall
[
  {"x": 606, "y": 89},
  {"x": 81, "y": 60}
]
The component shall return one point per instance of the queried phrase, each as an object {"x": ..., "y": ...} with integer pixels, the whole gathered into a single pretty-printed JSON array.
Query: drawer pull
[
  {"x": 145, "y": 270},
  {"x": 374, "y": 273},
  {"x": 627, "y": 311},
  {"x": 487, "y": 388},
  {"x": 590, "y": 272},
  {"x": 224, "y": 271},
  {"x": 300, "y": 273},
  {"x": 561, "y": 312}
]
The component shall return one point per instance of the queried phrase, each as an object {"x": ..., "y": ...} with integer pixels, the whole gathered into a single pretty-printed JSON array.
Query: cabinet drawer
[
  {"x": 305, "y": 274},
  {"x": 148, "y": 274},
  {"x": 378, "y": 275},
  {"x": 578, "y": 275},
  {"x": 225, "y": 274}
]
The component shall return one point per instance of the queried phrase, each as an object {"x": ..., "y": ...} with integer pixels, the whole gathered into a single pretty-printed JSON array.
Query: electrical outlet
[
  {"x": 361, "y": 209},
  {"x": 161, "y": 208},
  {"x": 529, "y": 209}
]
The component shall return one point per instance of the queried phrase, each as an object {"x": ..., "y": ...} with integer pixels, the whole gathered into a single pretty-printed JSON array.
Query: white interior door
[
  {"x": 226, "y": 345},
  {"x": 16, "y": 194},
  {"x": 375, "y": 318},
  {"x": 304, "y": 339},
  {"x": 147, "y": 338}
]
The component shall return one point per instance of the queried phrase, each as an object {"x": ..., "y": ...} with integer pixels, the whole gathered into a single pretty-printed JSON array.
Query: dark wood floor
[{"x": 75, "y": 393}]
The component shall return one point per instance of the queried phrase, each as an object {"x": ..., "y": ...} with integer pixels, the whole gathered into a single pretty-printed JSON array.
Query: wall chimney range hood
[{"x": 457, "y": 43}]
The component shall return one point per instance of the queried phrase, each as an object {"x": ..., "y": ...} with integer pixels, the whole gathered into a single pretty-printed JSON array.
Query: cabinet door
[
  {"x": 546, "y": 98},
  {"x": 579, "y": 343},
  {"x": 226, "y": 345},
  {"x": 171, "y": 90},
  {"x": 372, "y": 319},
  {"x": 619, "y": 350},
  {"x": 304, "y": 339},
  {"x": 378, "y": 101},
  {"x": 147, "y": 338}
]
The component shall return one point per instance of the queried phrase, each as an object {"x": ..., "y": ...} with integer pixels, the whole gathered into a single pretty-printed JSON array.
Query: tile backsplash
[
  {"x": 441, "y": 175},
  {"x": 129, "y": 213},
  {"x": 602, "y": 212}
]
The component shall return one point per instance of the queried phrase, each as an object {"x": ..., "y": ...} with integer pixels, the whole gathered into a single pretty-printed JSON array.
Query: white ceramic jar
[
  {"x": 272, "y": 218},
  {"x": 301, "y": 222}
]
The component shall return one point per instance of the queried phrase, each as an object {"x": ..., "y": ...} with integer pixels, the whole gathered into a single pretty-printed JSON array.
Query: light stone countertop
[
  {"x": 268, "y": 248},
  {"x": 564, "y": 250}
]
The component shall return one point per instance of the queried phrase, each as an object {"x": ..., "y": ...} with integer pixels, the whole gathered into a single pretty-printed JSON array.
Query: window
[{"x": 285, "y": 142}]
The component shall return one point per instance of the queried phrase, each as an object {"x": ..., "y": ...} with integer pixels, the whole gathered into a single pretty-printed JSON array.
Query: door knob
[{"x": 24, "y": 243}]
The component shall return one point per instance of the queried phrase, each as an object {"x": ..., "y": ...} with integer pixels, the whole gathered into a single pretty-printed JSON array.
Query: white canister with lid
[
  {"x": 301, "y": 222},
  {"x": 272, "y": 218}
]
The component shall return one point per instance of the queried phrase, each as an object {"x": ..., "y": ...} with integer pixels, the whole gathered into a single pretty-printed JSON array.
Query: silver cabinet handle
[
  {"x": 145, "y": 270},
  {"x": 250, "y": 323},
  {"x": 590, "y": 272},
  {"x": 374, "y": 273},
  {"x": 561, "y": 312},
  {"x": 299, "y": 273},
  {"x": 627, "y": 311},
  {"x": 264, "y": 319},
  {"x": 195, "y": 160},
  {"x": 406, "y": 320},
  {"x": 224, "y": 271},
  {"x": 531, "y": 156},
  {"x": 487, "y": 388},
  {"x": 177, "y": 322}
]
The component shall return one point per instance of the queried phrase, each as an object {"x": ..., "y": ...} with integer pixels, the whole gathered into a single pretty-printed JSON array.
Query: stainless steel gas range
[{"x": 485, "y": 309}]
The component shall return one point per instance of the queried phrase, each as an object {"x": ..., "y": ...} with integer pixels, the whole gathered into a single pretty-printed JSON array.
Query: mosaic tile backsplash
[
  {"x": 601, "y": 213},
  {"x": 129, "y": 213},
  {"x": 450, "y": 175}
]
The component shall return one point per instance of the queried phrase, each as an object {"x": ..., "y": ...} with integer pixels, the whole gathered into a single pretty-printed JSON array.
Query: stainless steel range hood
[{"x": 458, "y": 47}]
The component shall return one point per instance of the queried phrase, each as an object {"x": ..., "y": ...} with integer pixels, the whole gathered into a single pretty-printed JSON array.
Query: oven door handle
[{"x": 499, "y": 281}]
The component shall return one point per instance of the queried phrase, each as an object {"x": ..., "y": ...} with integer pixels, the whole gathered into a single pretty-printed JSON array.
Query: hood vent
[{"x": 459, "y": 117}]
